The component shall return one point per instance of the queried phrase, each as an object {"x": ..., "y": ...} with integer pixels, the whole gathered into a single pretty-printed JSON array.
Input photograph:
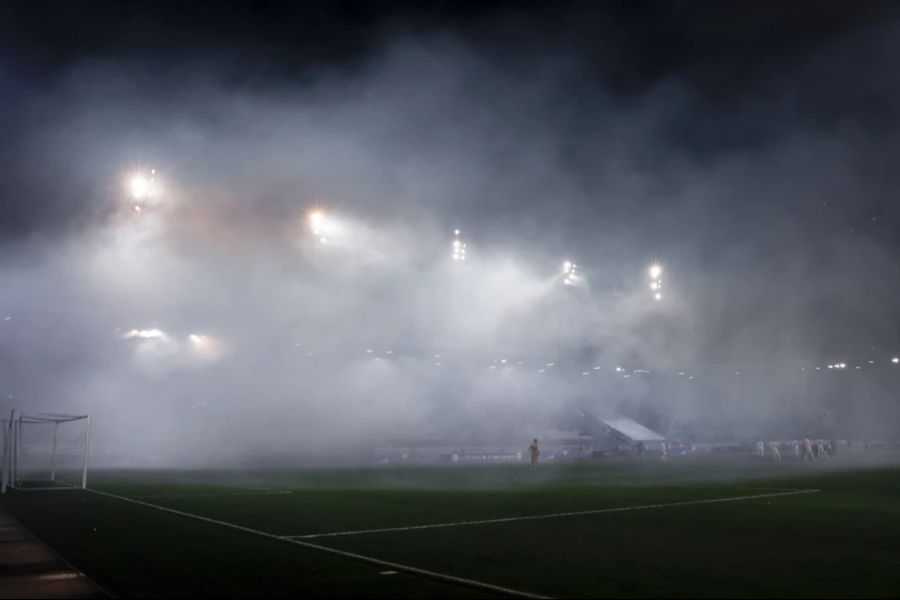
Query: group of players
[{"x": 806, "y": 449}]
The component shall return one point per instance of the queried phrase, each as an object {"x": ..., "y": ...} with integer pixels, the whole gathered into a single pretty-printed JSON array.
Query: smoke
[{"x": 213, "y": 320}]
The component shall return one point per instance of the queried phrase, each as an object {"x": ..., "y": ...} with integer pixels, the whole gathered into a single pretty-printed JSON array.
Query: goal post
[{"x": 45, "y": 451}]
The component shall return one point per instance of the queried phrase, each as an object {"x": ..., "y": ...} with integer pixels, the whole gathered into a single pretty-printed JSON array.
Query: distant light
[
  {"x": 200, "y": 341},
  {"x": 322, "y": 226},
  {"x": 144, "y": 334},
  {"x": 567, "y": 266},
  {"x": 657, "y": 296},
  {"x": 654, "y": 285},
  {"x": 655, "y": 271},
  {"x": 896, "y": 360},
  {"x": 459, "y": 247},
  {"x": 141, "y": 186}
]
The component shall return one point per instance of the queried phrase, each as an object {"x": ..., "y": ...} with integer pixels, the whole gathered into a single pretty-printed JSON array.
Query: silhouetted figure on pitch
[{"x": 535, "y": 453}]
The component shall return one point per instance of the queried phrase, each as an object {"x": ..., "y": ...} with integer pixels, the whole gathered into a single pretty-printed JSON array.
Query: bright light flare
[
  {"x": 322, "y": 226},
  {"x": 655, "y": 271},
  {"x": 570, "y": 270},
  {"x": 142, "y": 186},
  {"x": 206, "y": 347},
  {"x": 144, "y": 334},
  {"x": 199, "y": 340},
  {"x": 459, "y": 247}
]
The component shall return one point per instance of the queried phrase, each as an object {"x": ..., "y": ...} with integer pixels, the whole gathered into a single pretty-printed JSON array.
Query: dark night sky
[
  {"x": 754, "y": 72},
  {"x": 750, "y": 147}
]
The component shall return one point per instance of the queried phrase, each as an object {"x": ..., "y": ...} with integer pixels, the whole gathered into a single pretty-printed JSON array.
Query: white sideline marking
[
  {"x": 62, "y": 576},
  {"x": 580, "y": 513},
  {"x": 360, "y": 557},
  {"x": 216, "y": 494}
]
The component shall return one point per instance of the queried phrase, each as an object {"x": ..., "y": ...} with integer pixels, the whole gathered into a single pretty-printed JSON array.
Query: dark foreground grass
[{"x": 841, "y": 542}]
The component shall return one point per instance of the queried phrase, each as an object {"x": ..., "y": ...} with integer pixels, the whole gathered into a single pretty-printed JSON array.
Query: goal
[{"x": 45, "y": 451}]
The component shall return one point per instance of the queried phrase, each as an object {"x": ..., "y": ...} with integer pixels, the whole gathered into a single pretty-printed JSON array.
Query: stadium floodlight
[
  {"x": 322, "y": 226},
  {"x": 318, "y": 225},
  {"x": 655, "y": 281},
  {"x": 140, "y": 187},
  {"x": 570, "y": 271},
  {"x": 144, "y": 334},
  {"x": 45, "y": 451},
  {"x": 459, "y": 247},
  {"x": 206, "y": 347}
]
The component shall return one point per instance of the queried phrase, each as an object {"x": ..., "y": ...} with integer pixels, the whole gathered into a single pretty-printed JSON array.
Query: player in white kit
[
  {"x": 776, "y": 453},
  {"x": 807, "y": 450}
]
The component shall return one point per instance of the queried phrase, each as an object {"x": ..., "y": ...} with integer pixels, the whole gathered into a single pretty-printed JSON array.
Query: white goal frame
[{"x": 69, "y": 454}]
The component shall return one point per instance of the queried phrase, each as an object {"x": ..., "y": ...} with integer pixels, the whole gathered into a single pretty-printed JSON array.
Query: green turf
[{"x": 841, "y": 542}]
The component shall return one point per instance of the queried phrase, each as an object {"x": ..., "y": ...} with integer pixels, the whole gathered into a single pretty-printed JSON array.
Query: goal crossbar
[{"x": 44, "y": 451}]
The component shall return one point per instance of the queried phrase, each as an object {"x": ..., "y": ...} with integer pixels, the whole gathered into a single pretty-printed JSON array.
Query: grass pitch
[{"x": 695, "y": 527}]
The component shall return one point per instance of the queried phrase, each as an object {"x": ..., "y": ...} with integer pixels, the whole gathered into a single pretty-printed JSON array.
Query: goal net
[{"x": 45, "y": 451}]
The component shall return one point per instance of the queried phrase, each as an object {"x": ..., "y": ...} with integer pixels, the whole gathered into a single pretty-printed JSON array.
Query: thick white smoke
[{"x": 215, "y": 320}]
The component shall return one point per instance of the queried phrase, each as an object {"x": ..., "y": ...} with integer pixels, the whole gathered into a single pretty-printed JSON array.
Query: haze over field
[{"x": 204, "y": 312}]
